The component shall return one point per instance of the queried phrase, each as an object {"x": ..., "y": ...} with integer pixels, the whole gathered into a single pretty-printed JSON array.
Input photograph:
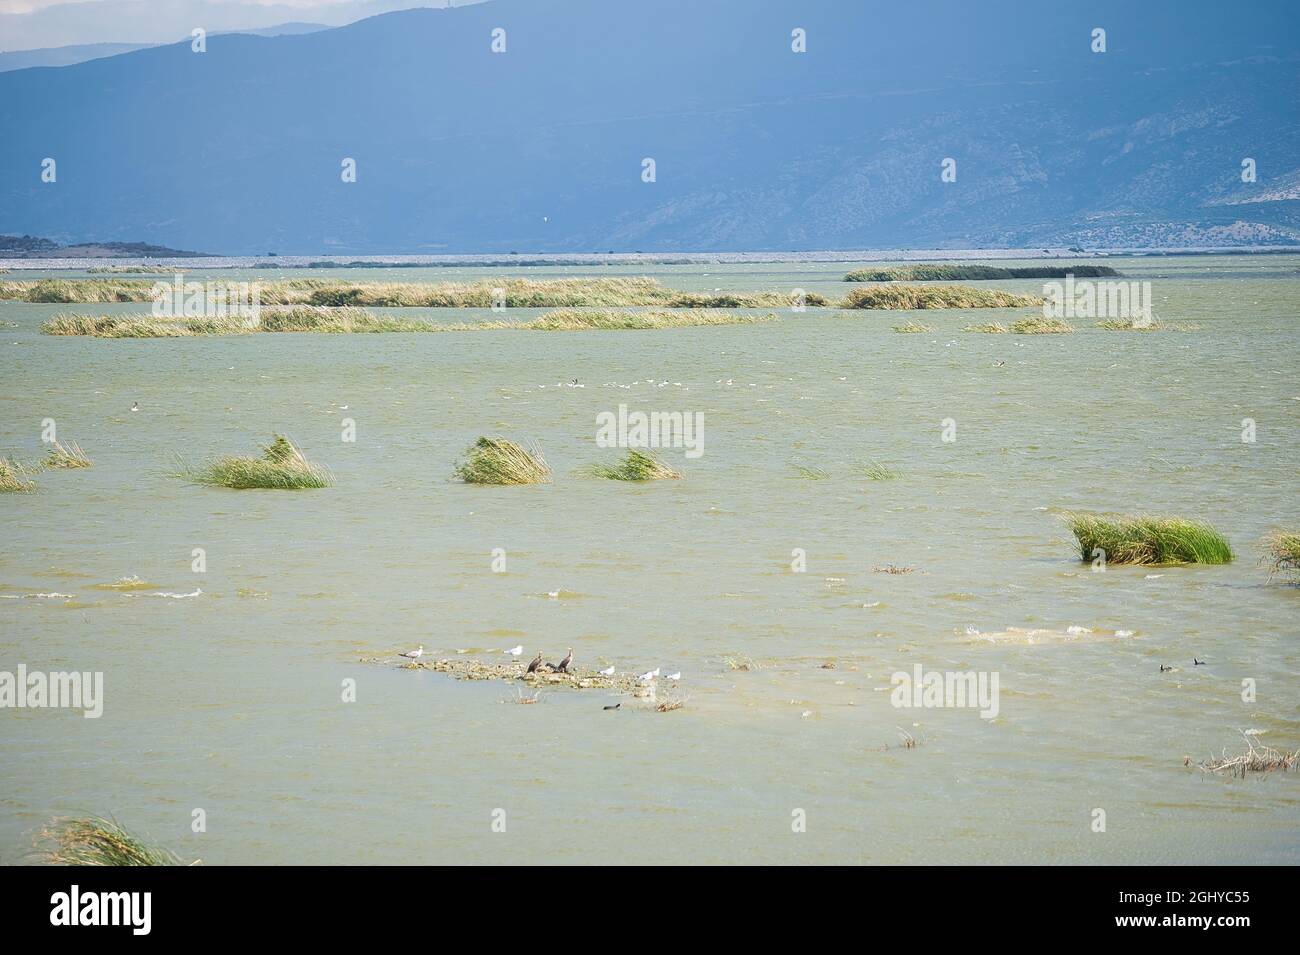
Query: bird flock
[{"x": 539, "y": 664}]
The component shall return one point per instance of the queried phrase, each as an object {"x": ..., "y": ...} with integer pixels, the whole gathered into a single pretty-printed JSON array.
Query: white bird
[
  {"x": 553, "y": 594},
  {"x": 515, "y": 651},
  {"x": 674, "y": 676},
  {"x": 608, "y": 671},
  {"x": 647, "y": 677},
  {"x": 414, "y": 654},
  {"x": 135, "y": 406}
]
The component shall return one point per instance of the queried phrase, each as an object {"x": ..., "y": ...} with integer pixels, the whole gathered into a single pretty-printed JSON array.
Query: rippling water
[{"x": 229, "y": 701}]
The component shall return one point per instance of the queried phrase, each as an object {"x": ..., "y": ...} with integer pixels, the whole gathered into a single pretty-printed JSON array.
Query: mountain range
[{"x": 755, "y": 146}]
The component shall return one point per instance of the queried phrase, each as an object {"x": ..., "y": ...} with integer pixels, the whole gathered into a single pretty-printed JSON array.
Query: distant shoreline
[{"x": 497, "y": 259}]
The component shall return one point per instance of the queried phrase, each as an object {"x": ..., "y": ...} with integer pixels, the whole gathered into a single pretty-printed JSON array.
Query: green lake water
[{"x": 230, "y": 700}]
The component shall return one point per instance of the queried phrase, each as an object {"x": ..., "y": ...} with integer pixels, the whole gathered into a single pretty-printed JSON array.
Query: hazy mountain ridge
[{"x": 756, "y": 147}]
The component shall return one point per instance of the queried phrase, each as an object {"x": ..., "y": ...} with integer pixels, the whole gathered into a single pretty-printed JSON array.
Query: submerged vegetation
[
  {"x": 637, "y": 466},
  {"x": 809, "y": 473},
  {"x": 975, "y": 273},
  {"x": 281, "y": 466},
  {"x": 95, "y": 841},
  {"x": 498, "y": 461},
  {"x": 934, "y": 296},
  {"x": 1136, "y": 539},
  {"x": 875, "y": 471}
]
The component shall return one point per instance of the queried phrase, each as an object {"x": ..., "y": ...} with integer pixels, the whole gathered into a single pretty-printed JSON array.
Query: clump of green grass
[
  {"x": 66, "y": 456},
  {"x": 913, "y": 328},
  {"x": 498, "y": 461},
  {"x": 13, "y": 478},
  {"x": 281, "y": 466},
  {"x": 1140, "y": 539},
  {"x": 988, "y": 328},
  {"x": 99, "y": 842},
  {"x": 975, "y": 273},
  {"x": 1284, "y": 546},
  {"x": 637, "y": 466},
  {"x": 875, "y": 471},
  {"x": 1144, "y": 325},
  {"x": 910, "y": 297},
  {"x": 1041, "y": 326}
]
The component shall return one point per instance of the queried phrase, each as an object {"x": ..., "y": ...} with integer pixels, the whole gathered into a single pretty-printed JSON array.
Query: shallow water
[{"x": 229, "y": 701}]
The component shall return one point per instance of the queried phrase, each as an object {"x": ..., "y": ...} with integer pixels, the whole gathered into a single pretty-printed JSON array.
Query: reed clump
[
  {"x": 13, "y": 478},
  {"x": 988, "y": 328},
  {"x": 1258, "y": 758},
  {"x": 913, "y": 328},
  {"x": 351, "y": 320},
  {"x": 875, "y": 471},
  {"x": 80, "y": 291},
  {"x": 1144, "y": 325},
  {"x": 1041, "y": 326},
  {"x": 498, "y": 461},
  {"x": 912, "y": 297},
  {"x": 335, "y": 321},
  {"x": 98, "y": 842},
  {"x": 1284, "y": 547},
  {"x": 519, "y": 293},
  {"x": 810, "y": 473},
  {"x": 136, "y": 326},
  {"x": 637, "y": 466},
  {"x": 609, "y": 292},
  {"x": 570, "y": 320},
  {"x": 67, "y": 455},
  {"x": 975, "y": 273},
  {"x": 1141, "y": 539},
  {"x": 281, "y": 466}
]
